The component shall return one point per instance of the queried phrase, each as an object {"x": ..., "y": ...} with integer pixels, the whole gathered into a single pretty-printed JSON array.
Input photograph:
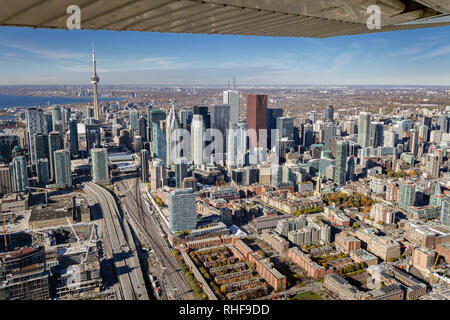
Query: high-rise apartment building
[
  {"x": 19, "y": 174},
  {"x": 63, "y": 170},
  {"x": 328, "y": 113},
  {"x": 55, "y": 142},
  {"x": 100, "y": 172},
  {"x": 41, "y": 147},
  {"x": 172, "y": 124},
  {"x": 182, "y": 210},
  {"x": 407, "y": 194},
  {"x": 42, "y": 172},
  {"x": 364, "y": 130},
  {"x": 5, "y": 180},
  {"x": 73, "y": 137},
  {"x": 340, "y": 162},
  {"x": 35, "y": 124},
  {"x": 432, "y": 165},
  {"x": 197, "y": 131}
]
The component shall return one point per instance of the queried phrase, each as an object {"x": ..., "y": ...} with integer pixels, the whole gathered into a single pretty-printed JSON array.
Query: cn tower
[{"x": 94, "y": 80}]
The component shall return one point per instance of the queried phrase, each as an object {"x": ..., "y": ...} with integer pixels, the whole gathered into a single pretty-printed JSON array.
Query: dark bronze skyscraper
[{"x": 257, "y": 117}]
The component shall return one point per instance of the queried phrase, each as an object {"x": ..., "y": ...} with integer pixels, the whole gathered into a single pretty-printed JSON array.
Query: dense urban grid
[{"x": 244, "y": 193}]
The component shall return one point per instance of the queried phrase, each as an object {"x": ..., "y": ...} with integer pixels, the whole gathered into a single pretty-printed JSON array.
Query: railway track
[{"x": 140, "y": 215}]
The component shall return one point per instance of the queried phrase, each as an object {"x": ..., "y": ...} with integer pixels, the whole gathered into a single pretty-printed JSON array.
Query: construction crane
[
  {"x": 4, "y": 232},
  {"x": 434, "y": 267},
  {"x": 73, "y": 230},
  {"x": 89, "y": 245}
]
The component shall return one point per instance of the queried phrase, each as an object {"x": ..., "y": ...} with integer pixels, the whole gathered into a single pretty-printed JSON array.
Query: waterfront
[{"x": 9, "y": 101}]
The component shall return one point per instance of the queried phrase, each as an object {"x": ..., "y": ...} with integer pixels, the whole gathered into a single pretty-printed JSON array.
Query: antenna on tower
[
  {"x": 234, "y": 82},
  {"x": 228, "y": 83}
]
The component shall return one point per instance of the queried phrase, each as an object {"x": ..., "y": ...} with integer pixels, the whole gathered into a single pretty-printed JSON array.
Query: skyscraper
[
  {"x": 73, "y": 127},
  {"x": 340, "y": 162},
  {"x": 445, "y": 212},
  {"x": 159, "y": 144},
  {"x": 92, "y": 137},
  {"x": 138, "y": 144},
  {"x": 364, "y": 130},
  {"x": 134, "y": 116},
  {"x": 237, "y": 145},
  {"x": 308, "y": 135},
  {"x": 7, "y": 144},
  {"x": 63, "y": 171},
  {"x": 414, "y": 141},
  {"x": 48, "y": 126},
  {"x": 203, "y": 111},
  {"x": 182, "y": 210},
  {"x": 43, "y": 174},
  {"x": 158, "y": 174},
  {"x": 172, "y": 124},
  {"x": 285, "y": 126},
  {"x": 376, "y": 134},
  {"x": 35, "y": 124},
  {"x": 407, "y": 194},
  {"x": 56, "y": 116},
  {"x": 220, "y": 120},
  {"x": 329, "y": 132},
  {"x": 197, "y": 130},
  {"x": 145, "y": 155},
  {"x": 328, "y": 113},
  {"x": 100, "y": 172},
  {"x": 55, "y": 142},
  {"x": 5, "y": 180},
  {"x": 142, "y": 128},
  {"x": 58, "y": 126},
  {"x": 257, "y": 118},
  {"x": 185, "y": 118},
  {"x": 149, "y": 109},
  {"x": 94, "y": 80},
  {"x": 232, "y": 98},
  {"x": 180, "y": 173},
  {"x": 19, "y": 174},
  {"x": 272, "y": 115},
  {"x": 432, "y": 165},
  {"x": 41, "y": 147},
  {"x": 389, "y": 138}
]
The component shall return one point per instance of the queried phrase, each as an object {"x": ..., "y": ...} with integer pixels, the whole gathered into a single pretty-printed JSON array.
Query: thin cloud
[
  {"x": 404, "y": 52},
  {"x": 42, "y": 52},
  {"x": 342, "y": 60},
  {"x": 161, "y": 63},
  {"x": 435, "y": 53}
]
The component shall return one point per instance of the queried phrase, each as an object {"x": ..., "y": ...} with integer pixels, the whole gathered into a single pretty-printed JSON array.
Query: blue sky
[{"x": 39, "y": 56}]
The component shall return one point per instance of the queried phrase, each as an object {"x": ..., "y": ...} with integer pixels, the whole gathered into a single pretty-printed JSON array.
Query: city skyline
[{"x": 62, "y": 57}]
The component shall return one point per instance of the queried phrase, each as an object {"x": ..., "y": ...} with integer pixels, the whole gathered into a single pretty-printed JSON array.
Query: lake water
[{"x": 7, "y": 101}]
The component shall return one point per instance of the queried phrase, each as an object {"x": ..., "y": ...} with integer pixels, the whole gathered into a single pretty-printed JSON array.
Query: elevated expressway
[{"x": 126, "y": 262}]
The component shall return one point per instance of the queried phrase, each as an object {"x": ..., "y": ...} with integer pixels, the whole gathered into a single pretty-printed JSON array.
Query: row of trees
[
  {"x": 308, "y": 210},
  {"x": 352, "y": 269},
  {"x": 344, "y": 201}
]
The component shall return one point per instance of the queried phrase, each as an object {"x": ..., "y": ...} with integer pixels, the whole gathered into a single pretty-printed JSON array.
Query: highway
[
  {"x": 123, "y": 248},
  {"x": 177, "y": 287}
]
